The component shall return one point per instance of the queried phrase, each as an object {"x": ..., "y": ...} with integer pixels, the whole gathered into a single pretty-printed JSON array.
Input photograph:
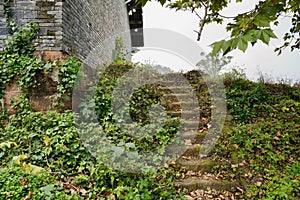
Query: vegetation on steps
[
  {"x": 43, "y": 157},
  {"x": 41, "y": 153}
]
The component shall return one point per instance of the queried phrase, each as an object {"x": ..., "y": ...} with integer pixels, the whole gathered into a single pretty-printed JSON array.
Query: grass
[
  {"x": 43, "y": 157},
  {"x": 262, "y": 146}
]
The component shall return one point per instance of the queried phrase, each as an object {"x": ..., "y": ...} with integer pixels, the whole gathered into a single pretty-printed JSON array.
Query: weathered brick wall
[
  {"x": 77, "y": 27},
  {"x": 3, "y": 29},
  {"x": 90, "y": 23},
  {"x": 46, "y": 13},
  {"x": 72, "y": 26}
]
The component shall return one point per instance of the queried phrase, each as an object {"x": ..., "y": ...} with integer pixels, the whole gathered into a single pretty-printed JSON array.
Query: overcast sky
[{"x": 258, "y": 58}]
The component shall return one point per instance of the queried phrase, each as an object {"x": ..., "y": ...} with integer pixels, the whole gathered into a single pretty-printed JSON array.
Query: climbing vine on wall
[
  {"x": 17, "y": 58},
  {"x": 18, "y": 63},
  {"x": 11, "y": 24}
]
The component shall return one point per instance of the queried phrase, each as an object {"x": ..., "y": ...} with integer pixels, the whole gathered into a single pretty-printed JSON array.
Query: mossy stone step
[
  {"x": 178, "y": 82},
  {"x": 190, "y": 150},
  {"x": 191, "y": 122},
  {"x": 194, "y": 150},
  {"x": 197, "y": 165},
  {"x": 198, "y": 136},
  {"x": 190, "y": 114},
  {"x": 173, "y": 96},
  {"x": 187, "y": 103},
  {"x": 196, "y": 183},
  {"x": 177, "y": 77},
  {"x": 190, "y": 126},
  {"x": 177, "y": 106},
  {"x": 178, "y": 89}
]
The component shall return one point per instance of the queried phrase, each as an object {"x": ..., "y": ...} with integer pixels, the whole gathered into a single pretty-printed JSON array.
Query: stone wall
[
  {"x": 72, "y": 26},
  {"x": 46, "y": 13},
  {"x": 90, "y": 23},
  {"x": 86, "y": 29},
  {"x": 3, "y": 30}
]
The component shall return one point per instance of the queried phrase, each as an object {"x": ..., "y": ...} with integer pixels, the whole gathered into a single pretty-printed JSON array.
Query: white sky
[{"x": 258, "y": 58}]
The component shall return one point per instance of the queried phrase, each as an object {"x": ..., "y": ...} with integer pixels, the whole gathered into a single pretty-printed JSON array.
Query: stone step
[
  {"x": 197, "y": 137},
  {"x": 186, "y": 95},
  {"x": 197, "y": 165},
  {"x": 190, "y": 114},
  {"x": 176, "y": 77},
  {"x": 191, "y": 126},
  {"x": 186, "y": 103},
  {"x": 194, "y": 150},
  {"x": 197, "y": 183},
  {"x": 177, "y": 89},
  {"x": 191, "y": 123},
  {"x": 179, "y": 106},
  {"x": 177, "y": 95},
  {"x": 191, "y": 150},
  {"x": 178, "y": 83}
]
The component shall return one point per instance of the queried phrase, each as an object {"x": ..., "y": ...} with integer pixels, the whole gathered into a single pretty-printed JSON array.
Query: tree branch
[
  {"x": 226, "y": 17},
  {"x": 203, "y": 21},
  {"x": 197, "y": 14}
]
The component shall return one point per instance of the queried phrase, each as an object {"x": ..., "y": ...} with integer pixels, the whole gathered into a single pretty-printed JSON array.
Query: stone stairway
[{"x": 197, "y": 178}]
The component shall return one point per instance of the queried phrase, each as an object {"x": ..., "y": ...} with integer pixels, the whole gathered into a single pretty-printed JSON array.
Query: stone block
[
  {"x": 54, "y": 12},
  {"x": 1, "y": 10},
  {"x": 30, "y": 15},
  {"x": 12, "y": 93},
  {"x": 4, "y": 31},
  {"x": 59, "y": 4}
]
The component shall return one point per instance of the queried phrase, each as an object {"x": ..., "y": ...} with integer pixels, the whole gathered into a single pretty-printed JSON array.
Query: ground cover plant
[
  {"x": 261, "y": 149},
  {"x": 43, "y": 157}
]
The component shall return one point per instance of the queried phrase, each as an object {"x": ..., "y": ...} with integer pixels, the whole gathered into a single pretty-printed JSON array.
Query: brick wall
[
  {"x": 89, "y": 24},
  {"x": 46, "y": 13},
  {"x": 3, "y": 29},
  {"x": 73, "y": 26}
]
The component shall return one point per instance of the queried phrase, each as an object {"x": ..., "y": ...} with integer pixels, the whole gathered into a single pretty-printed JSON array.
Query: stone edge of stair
[
  {"x": 195, "y": 183},
  {"x": 197, "y": 165}
]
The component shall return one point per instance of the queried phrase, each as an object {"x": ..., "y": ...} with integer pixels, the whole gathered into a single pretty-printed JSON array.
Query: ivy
[
  {"x": 138, "y": 107},
  {"x": 17, "y": 59},
  {"x": 11, "y": 24},
  {"x": 18, "y": 63},
  {"x": 68, "y": 73}
]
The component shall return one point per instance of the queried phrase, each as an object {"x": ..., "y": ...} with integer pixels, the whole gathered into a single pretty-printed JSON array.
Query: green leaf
[
  {"x": 47, "y": 189},
  {"x": 270, "y": 33},
  {"x": 258, "y": 34},
  {"x": 217, "y": 47},
  {"x": 250, "y": 36},
  {"x": 234, "y": 42},
  {"x": 262, "y": 21},
  {"x": 162, "y": 2},
  {"x": 32, "y": 169},
  {"x": 130, "y": 145},
  {"x": 7, "y": 144},
  {"x": 17, "y": 159},
  {"x": 242, "y": 44},
  {"x": 265, "y": 38},
  {"x": 143, "y": 2},
  {"x": 118, "y": 151},
  {"x": 47, "y": 66},
  {"x": 226, "y": 47}
]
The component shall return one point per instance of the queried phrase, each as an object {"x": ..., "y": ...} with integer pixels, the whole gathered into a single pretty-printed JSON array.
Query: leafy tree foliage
[
  {"x": 247, "y": 27},
  {"x": 212, "y": 65}
]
